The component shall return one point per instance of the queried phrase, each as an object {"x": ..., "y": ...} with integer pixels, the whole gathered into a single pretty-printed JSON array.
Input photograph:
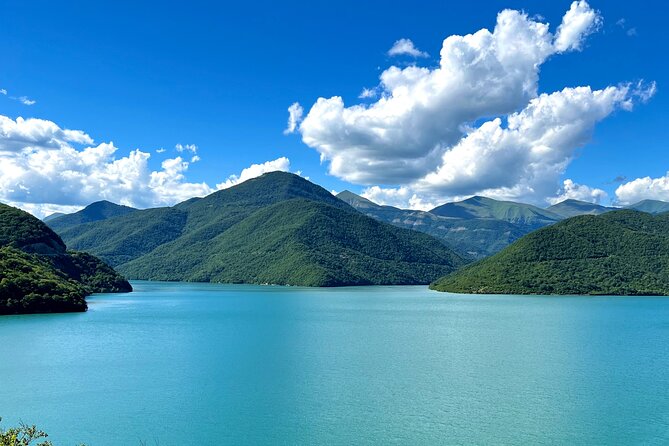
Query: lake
[{"x": 208, "y": 364}]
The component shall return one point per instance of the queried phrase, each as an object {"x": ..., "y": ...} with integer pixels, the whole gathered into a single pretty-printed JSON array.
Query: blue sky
[{"x": 222, "y": 77}]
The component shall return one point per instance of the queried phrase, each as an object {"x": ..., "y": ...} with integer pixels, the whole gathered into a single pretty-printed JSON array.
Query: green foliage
[
  {"x": 21, "y": 230},
  {"x": 120, "y": 239},
  {"x": 23, "y": 435},
  {"x": 302, "y": 242},
  {"x": 30, "y": 284},
  {"x": 618, "y": 253},
  {"x": 278, "y": 228},
  {"x": 38, "y": 276}
]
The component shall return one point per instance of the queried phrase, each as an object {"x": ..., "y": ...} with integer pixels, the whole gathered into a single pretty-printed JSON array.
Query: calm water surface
[{"x": 181, "y": 364}]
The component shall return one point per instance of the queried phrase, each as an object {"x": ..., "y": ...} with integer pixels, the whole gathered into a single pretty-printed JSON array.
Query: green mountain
[
  {"x": 621, "y": 252},
  {"x": 38, "y": 275},
  {"x": 650, "y": 206},
  {"x": 509, "y": 211},
  {"x": 572, "y": 208},
  {"x": 100, "y": 210},
  {"x": 278, "y": 228},
  {"x": 471, "y": 237}
]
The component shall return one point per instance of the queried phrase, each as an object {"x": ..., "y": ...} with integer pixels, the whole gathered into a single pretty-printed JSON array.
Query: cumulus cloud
[
  {"x": 401, "y": 197},
  {"x": 646, "y": 188},
  {"x": 424, "y": 134},
  {"x": 574, "y": 191},
  {"x": 3, "y": 91},
  {"x": 295, "y": 112},
  {"x": 45, "y": 168},
  {"x": 580, "y": 21},
  {"x": 405, "y": 47},
  {"x": 255, "y": 170}
]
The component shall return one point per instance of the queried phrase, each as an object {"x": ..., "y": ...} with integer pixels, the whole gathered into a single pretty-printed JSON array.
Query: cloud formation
[
  {"x": 45, "y": 168},
  {"x": 255, "y": 170},
  {"x": 574, "y": 191},
  {"x": 643, "y": 189},
  {"x": 424, "y": 135},
  {"x": 295, "y": 112},
  {"x": 405, "y": 47}
]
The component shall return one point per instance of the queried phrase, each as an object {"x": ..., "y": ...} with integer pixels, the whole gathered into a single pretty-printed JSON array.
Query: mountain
[
  {"x": 650, "y": 206},
  {"x": 471, "y": 237},
  {"x": 571, "y": 208},
  {"x": 38, "y": 274},
  {"x": 278, "y": 228},
  {"x": 53, "y": 216},
  {"x": 487, "y": 208},
  {"x": 621, "y": 252},
  {"x": 100, "y": 210}
]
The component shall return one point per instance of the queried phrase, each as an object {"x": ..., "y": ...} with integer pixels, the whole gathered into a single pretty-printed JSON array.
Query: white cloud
[
  {"x": 574, "y": 191},
  {"x": 195, "y": 159},
  {"x": 3, "y": 91},
  {"x": 406, "y": 47},
  {"x": 367, "y": 93},
  {"x": 26, "y": 101},
  {"x": 419, "y": 134},
  {"x": 646, "y": 188},
  {"x": 295, "y": 112},
  {"x": 45, "y": 168},
  {"x": 401, "y": 197},
  {"x": 186, "y": 148},
  {"x": 580, "y": 21},
  {"x": 255, "y": 170}
]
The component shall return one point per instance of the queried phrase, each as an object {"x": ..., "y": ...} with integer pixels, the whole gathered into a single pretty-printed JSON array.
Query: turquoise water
[{"x": 181, "y": 364}]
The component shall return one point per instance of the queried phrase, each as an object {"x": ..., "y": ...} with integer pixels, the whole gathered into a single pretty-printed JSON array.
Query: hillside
[
  {"x": 487, "y": 208},
  {"x": 471, "y": 237},
  {"x": 52, "y": 216},
  {"x": 619, "y": 253},
  {"x": 38, "y": 275},
  {"x": 100, "y": 210},
  {"x": 278, "y": 228},
  {"x": 650, "y": 206},
  {"x": 572, "y": 208}
]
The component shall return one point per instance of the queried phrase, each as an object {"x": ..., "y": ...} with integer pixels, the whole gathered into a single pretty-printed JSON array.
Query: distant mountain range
[
  {"x": 480, "y": 226},
  {"x": 282, "y": 229},
  {"x": 572, "y": 208},
  {"x": 278, "y": 228},
  {"x": 624, "y": 252},
  {"x": 38, "y": 274}
]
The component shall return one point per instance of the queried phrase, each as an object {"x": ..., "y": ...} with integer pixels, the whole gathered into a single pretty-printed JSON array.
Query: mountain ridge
[
  {"x": 194, "y": 240},
  {"x": 624, "y": 252}
]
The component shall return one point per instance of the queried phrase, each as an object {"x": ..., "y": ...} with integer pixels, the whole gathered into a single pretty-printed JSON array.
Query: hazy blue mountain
[
  {"x": 53, "y": 216},
  {"x": 571, "y": 208},
  {"x": 486, "y": 208},
  {"x": 651, "y": 206},
  {"x": 277, "y": 228},
  {"x": 473, "y": 237},
  {"x": 100, "y": 210}
]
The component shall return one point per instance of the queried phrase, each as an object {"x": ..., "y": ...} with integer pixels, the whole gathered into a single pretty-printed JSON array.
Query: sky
[{"x": 411, "y": 105}]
